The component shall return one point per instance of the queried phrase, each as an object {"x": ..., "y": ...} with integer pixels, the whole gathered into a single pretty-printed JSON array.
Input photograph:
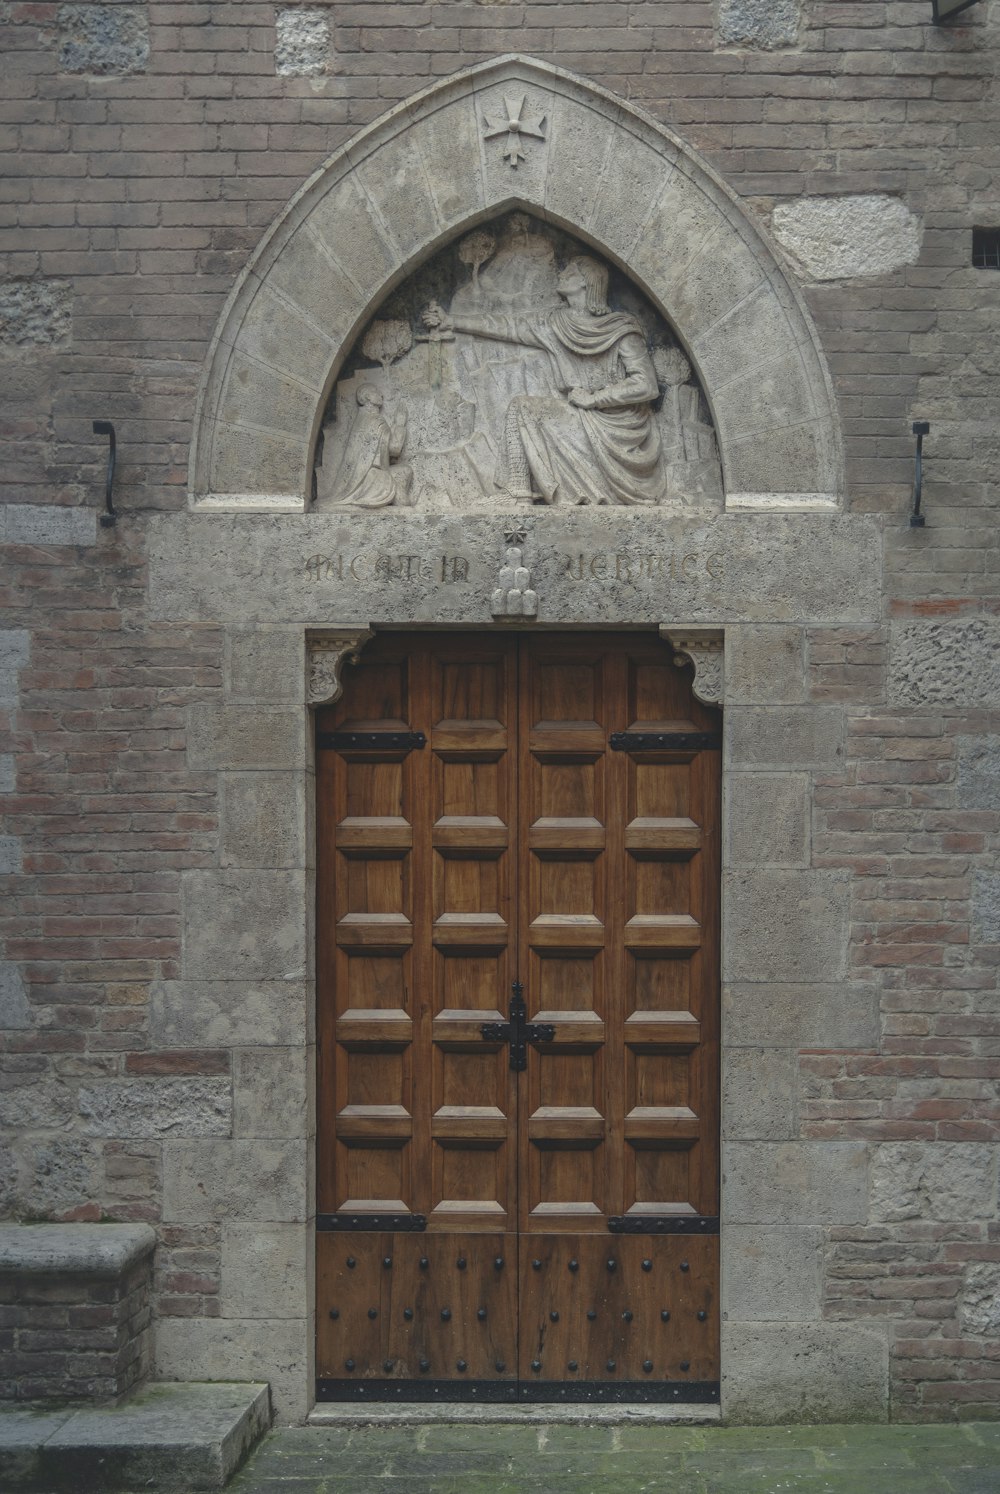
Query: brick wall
[{"x": 147, "y": 149}]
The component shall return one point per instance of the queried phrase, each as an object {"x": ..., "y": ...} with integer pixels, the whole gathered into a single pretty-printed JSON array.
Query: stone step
[{"x": 168, "y": 1437}]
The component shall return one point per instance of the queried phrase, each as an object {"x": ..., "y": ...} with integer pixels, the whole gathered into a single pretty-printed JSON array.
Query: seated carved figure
[{"x": 595, "y": 441}]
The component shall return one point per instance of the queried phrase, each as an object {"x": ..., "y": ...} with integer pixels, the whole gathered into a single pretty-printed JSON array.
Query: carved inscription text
[{"x": 633, "y": 569}]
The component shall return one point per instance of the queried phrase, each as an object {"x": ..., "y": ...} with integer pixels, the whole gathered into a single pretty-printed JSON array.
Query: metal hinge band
[
  {"x": 366, "y": 741},
  {"x": 385, "y": 1223},
  {"x": 664, "y": 1224},
  {"x": 665, "y": 741}
]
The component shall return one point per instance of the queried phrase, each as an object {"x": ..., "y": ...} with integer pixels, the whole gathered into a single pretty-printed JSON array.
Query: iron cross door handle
[{"x": 518, "y": 1031}]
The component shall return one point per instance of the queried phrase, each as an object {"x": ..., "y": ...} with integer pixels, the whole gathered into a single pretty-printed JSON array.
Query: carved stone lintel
[
  {"x": 703, "y": 647},
  {"x": 327, "y": 653}
]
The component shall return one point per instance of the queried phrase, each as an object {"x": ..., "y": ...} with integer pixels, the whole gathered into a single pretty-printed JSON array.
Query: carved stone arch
[{"x": 425, "y": 172}]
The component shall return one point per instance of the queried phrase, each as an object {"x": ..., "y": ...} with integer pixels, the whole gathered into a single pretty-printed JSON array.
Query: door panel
[{"x": 532, "y": 826}]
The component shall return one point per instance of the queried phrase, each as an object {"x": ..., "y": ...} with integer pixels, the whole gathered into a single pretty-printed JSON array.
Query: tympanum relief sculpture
[{"x": 516, "y": 369}]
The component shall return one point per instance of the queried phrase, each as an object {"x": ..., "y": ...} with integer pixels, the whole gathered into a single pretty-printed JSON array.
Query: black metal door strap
[
  {"x": 365, "y": 741},
  {"x": 383, "y": 1223},
  {"x": 664, "y": 1224},
  {"x": 519, "y": 1032},
  {"x": 687, "y": 1392},
  {"x": 665, "y": 741}
]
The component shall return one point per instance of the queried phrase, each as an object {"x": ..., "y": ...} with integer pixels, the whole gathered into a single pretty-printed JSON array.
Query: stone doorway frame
[{"x": 347, "y": 239}]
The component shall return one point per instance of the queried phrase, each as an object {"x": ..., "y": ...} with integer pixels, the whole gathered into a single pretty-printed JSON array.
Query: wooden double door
[{"x": 518, "y": 894}]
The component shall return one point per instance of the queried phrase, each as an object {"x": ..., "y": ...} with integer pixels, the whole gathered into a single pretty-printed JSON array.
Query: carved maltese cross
[{"x": 517, "y": 124}]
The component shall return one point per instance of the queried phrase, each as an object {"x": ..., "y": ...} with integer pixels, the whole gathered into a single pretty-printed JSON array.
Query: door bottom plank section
[{"x": 414, "y": 1309}]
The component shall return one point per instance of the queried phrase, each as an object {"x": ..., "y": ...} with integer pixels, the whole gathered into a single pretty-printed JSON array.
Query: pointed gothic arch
[{"x": 425, "y": 173}]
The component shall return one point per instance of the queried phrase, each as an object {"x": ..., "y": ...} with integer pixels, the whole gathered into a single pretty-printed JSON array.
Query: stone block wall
[{"x": 151, "y": 773}]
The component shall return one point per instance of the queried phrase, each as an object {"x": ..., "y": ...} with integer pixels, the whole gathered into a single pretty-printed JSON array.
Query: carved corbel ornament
[
  {"x": 326, "y": 655},
  {"x": 702, "y": 646}
]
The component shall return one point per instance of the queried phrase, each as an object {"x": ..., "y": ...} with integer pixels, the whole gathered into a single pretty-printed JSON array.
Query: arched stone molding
[{"x": 427, "y": 171}]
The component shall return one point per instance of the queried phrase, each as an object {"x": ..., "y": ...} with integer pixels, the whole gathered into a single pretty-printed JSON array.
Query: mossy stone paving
[{"x": 961, "y": 1458}]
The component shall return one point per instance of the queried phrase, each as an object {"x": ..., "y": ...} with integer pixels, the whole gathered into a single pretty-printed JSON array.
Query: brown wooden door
[{"x": 518, "y": 1213}]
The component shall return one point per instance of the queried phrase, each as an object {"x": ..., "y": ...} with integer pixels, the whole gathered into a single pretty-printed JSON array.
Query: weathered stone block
[
  {"x": 265, "y": 395},
  {"x": 764, "y": 24},
  {"x": 244, "y": 737},
  {"x": 767, "y": 821},
  {"x": 15, "y": 647},
  {"x": 365, "y": 254},
  {"x": 265, "y": 1270},
  {"x": 945, "y": 663},
  {"x": 263, "y": 819},
  {"x": 259, "y": 461},
  {"x": 759, "y": 1093},
  {"x": 785, "y": 925},
  {"x": 47, "y": 524},
  {"x": 450, "y": 151},
  {"x": 845, "y": 238},
  {"x": 395, "y": 180},
  {"x": 302, "y": 42},
  {"x": 35, "y": 313},
  {"x": 979, "y": 1305},
  {"x": 227, "y": 1013},
  {"x": 805, "y": 1372},
  {"x": 945, "y": 1180},
  {"x": 764, "y": 666},
  {"x": 800, "y": 1182},
  {"x": 104, "y": 38},
  {"x": 845, "y": 1015},
  {"x": 10, "y": 854},
  {"x": 979, "y": 772},
  {"x": 14, "y": 1008},
  {"x": 56, "y": 1176},
  {"x": 8, "y": 774},
  {"x": 580, "y": 137},
  {"x": 760, "y": 322},
  {"x": 776, "y": 394},
  {"x": 774, "y": 465},
  {"x": 273, "y": 334},
  {"x": 772, "y": 1273},
  {"x": 986, "y": 907},
  {"x": 215, "y": 1180},
  {"x": 271, "y": 1091},
  {"x": 265, "y": 665},
  {"x": 150, "y": 1108},
  {"x": 275, "y": 1349},
  {"x": 793, "y": 737},
  {"x": 244, "y": 925},
  {"x": 35, "y": 1102}
]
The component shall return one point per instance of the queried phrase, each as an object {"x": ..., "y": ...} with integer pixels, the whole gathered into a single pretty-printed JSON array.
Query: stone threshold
[
  {"x": 464, "y": 1413},
  {"x": 168, "y": 1436}
]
